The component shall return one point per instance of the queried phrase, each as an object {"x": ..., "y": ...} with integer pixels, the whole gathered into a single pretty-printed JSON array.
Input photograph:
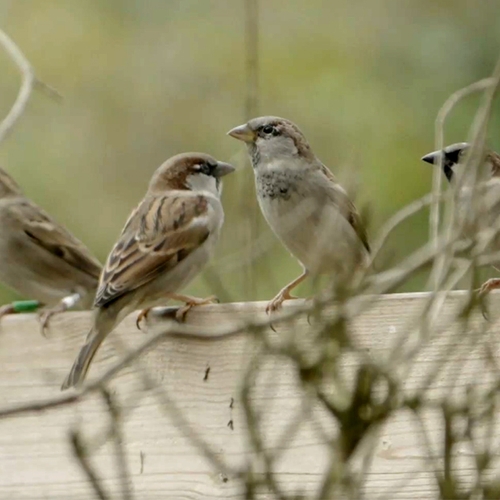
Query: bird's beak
[
  {"x": 223, "y": 169},
  {"x": 432, "y": 157},
  {"x": 242, "y": 133}
]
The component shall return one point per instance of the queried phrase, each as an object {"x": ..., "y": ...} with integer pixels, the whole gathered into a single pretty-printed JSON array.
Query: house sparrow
[
  {"x": 302, "y": 202},
  {"x": 487, "y": 185},
  {"x": 39, "y": 258},
  {"x": 165, "y": 243}
]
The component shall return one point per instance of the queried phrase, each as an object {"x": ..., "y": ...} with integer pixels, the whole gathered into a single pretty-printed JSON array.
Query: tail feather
[{"x": 81, "y": 365}]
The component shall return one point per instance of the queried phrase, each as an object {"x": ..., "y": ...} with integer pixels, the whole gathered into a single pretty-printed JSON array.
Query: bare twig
[
  {"x": 120, "y": 451},
  {"x": 443, "y": 113},
  {"x": 397, "y": 219},
  {"x": 490, "y": 86},
  {"x": 170, "y": 409},
  {"x": 252, "y": 63},
  {"x": 251, "y": 110},
  {"x": 29, "y": 82},
  {"x": 81, "y": 455}
]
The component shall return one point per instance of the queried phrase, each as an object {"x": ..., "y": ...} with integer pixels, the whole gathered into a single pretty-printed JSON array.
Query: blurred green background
[{"x": 145, "y": 79}]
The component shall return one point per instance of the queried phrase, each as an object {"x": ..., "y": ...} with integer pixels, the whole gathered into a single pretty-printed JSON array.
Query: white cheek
[{"x": 202, "y": 182}]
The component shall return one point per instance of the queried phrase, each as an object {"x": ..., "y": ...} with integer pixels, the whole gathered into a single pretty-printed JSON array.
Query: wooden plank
[{"x": 36, "y": 460}]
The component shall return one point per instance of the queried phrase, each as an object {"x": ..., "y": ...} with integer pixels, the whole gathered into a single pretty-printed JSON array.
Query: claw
[
  {"x": 284, "y": 294},
  {"x": 65, "y": 304},
  {"x": 309, "y": 312},
  {"x": 191, "y": 302},
  {"x": 45, "y": 316},
  {"x": 485, "y": 313},
  {"x": 309, "y": 319},
  {"x": 272, "y": 328},
  {"x": 489, "y": 285},
  {"x": 277, "y": 302},
  {"x": 143, "y": 315},
  {"x": 486, "y": 288},
  {"x": 6, "y": 309}
]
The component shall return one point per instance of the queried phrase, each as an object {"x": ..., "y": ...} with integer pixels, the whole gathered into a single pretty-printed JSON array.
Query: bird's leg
[
  {"x": 190, "y": 302},
  {"x": 486, "y": 288},
  {"x": 489, "y": 285},
  {"x": 20, "y": 306},
  {"x": 284, "y": 293},
  {"x": 65, "y": 304},
  {"x": 180, "y": 314},
  {"x": 7, "y": 309}
]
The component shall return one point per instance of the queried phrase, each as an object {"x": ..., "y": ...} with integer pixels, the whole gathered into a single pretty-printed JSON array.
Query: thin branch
[
  {"x": 442, "y": 115},
  {"x": 29, "y": 82},
  {"x": 252, "y": 62},
  {"x": 490, "y": 86},
  {"x": 171, "y": 410},
  {"x": 251, "y": 110},
  {"x": 254, "y": 433},
  {"x": 120, "y": 451},
  {"x": 81, "y": 455},
  {"x": 397, "y": 219},
  {"x": 381, "y": 283}
]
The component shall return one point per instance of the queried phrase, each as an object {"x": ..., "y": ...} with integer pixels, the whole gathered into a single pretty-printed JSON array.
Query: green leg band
[{"x": 25, "y": 305}]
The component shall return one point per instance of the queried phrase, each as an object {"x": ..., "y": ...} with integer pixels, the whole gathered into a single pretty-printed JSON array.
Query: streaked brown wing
[
  {"x": 347, "y": 208},
  {"x": 162, "y": 231},
  {"x": 355, "y": 220},
  {"x": 495, "y": 163},
  {"x": 48, "y": 234}
]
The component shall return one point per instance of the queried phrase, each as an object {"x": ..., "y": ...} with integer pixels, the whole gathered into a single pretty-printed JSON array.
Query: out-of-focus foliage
[{"x": 145, "y": 79}]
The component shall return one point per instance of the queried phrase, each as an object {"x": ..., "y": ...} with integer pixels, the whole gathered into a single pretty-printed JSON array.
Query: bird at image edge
[
  {"x": 39, "y": 258},
  {"x": 454, "y": 158}
]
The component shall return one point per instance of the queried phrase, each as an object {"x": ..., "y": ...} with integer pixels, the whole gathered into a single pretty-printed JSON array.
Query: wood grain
[{"x": 36, "y": 460}]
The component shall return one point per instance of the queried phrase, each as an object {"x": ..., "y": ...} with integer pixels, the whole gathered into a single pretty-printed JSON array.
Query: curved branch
[{"x": 29, "y": 82}]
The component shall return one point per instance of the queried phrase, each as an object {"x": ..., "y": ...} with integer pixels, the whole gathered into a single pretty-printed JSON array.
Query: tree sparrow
[
  {"x": 488, "y": 189},
  {"x": 39, "y": 258},
  {"x": 302, "y": 202},
  {"x": 165, "y": 243}
]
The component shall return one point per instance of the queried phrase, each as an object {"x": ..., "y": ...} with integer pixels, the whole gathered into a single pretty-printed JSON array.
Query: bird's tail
[
  {"x": 81, "y": 365},
  {"x": 102, "y": 326}
]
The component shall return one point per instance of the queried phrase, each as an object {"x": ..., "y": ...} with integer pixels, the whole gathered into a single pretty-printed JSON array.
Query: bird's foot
[
  {"x": 486, "y": 288},
  {"x": 44, "y": 317},
  {"x": 65, "y": 304},
  {"x": 143, "y": 315},
  {"x": 277, "y": 302},
  {"x": 191, "y": 302},
  {"x": 7, "y": 309}
]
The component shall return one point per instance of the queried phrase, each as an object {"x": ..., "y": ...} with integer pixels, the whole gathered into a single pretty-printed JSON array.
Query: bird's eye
[
  {"x": 268, "y": 129},
  {"x": 205, "y": 168}
]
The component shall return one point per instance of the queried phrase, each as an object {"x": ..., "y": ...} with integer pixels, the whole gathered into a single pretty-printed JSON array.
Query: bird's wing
[
  {"x": 160, "y": 232},
  {"x": 495, "y": 163},
  {"x": 42, "y": 230},
  {"x": 346, "y": 206}
]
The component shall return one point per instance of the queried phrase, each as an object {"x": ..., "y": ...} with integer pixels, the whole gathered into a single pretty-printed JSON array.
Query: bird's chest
[
  {"x": 277, "y": 186},
  {"x": 285, "y": 205}
]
